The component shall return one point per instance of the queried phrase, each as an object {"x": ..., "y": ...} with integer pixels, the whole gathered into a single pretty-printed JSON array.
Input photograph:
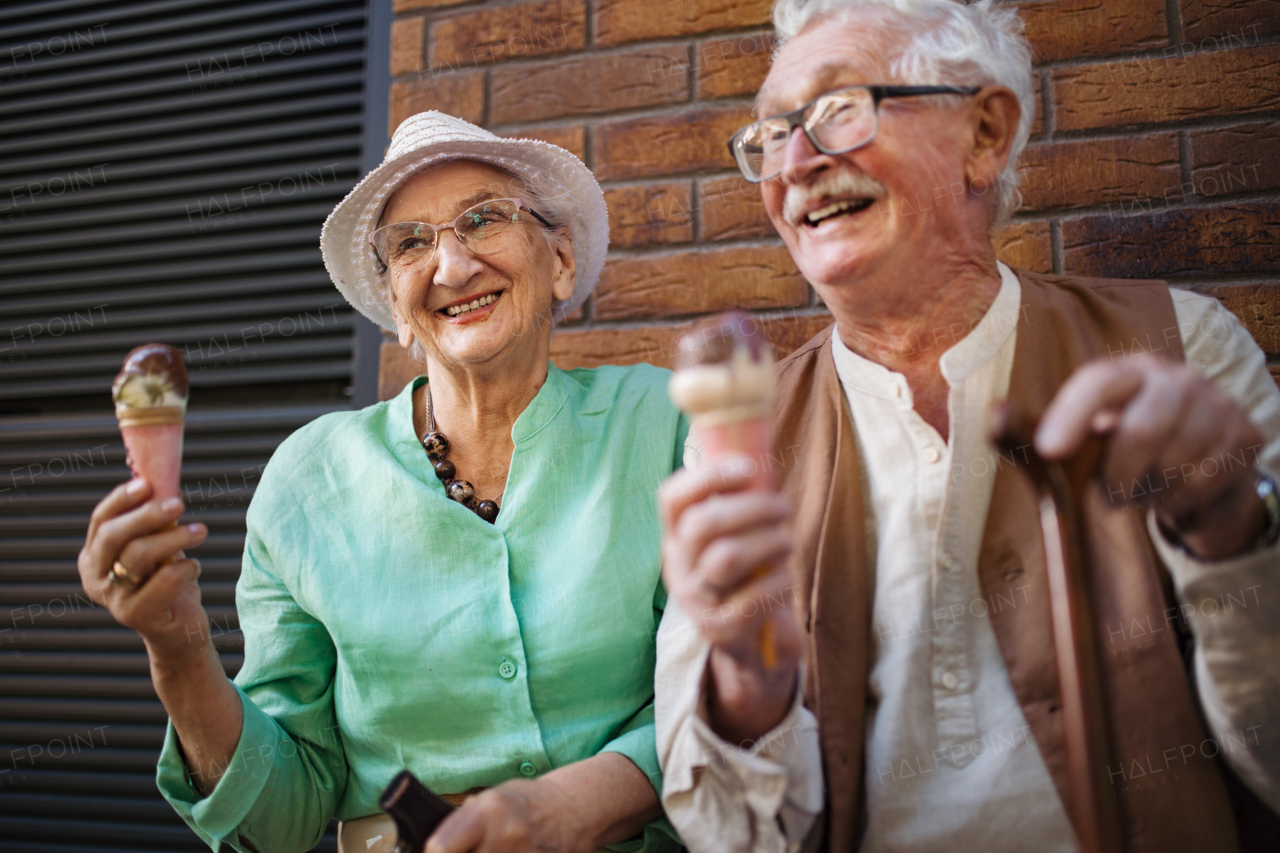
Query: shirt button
[
  {"x": 931, "y": 454},
  {"x": 897, "y": 390},
  {"x": 948, "y": 562},
  {"x": 507, "y": 669},
  {"x": 949, "y": 680},
  {"x": 528, "y": 768}
]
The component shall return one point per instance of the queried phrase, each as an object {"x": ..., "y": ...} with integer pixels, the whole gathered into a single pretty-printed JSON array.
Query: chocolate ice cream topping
[
  {"x": 713, "y": 341},
  {"x": 162, "y": 368}
]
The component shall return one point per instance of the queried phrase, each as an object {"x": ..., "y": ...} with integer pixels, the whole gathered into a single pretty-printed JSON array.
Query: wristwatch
[{"x": 1269, "y": 494}]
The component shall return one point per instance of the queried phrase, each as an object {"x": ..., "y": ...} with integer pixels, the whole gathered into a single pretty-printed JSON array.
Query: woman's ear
[{"x": 565, "y": 265}]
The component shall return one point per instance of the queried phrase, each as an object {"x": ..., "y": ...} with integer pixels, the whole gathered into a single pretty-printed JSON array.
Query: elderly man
[{"x": 918, "y": 668}]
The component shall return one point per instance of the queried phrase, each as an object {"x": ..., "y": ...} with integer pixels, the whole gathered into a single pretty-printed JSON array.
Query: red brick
[
  {"x": 1066, "y": 29},
  {"x": 1076, "y": 174},
  {"x": 733, "y": 66},
  {"x": 406, "y": 5},
  {"x": 406, "y": 45},
  {"x": 584, "y": 85},
  {"x": 571, "y": 139},
  {"x": 1215, "y": 24},
  {"x": 1240, "y": 159},
  {"x": 594, "y": 347},
  {"x": 650, "y": 213},
  {"x": 699, "y": 282},
  {"x": 508, "y": 32},
  {"x": 1159, "y": 90},
  {"x": 1025, "y": 245},
  {"x": 395, "y": 369},
  {"x": 789, "y": 332},
  {"x": 1220, "y": 240},
  {"x": 460, "y": 95},
  {"x": 656, "y": 344},
  {"x": 1258, "y": 307},
  {"x": 619, "y": 21},
  {"x": 731, "y": 208},
  {"x": 1037, "y": 127},
  {"x": 667, "y": 144}
]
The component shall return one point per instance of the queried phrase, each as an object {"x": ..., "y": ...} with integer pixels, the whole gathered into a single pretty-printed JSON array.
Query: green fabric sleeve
[{"x": 289, "y": 770}]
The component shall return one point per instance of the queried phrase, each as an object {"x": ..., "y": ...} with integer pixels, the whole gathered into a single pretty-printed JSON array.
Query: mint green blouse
[{"x": 387, "y": 627}]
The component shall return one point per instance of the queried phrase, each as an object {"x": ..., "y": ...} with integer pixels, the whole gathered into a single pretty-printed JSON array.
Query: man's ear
[
  {"x": 565, "y": 265},
  {"x": 997, "y": 111}
]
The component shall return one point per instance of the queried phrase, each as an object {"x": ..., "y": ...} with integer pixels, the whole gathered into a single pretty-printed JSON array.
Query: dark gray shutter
[{"x": 164, "y": 170}]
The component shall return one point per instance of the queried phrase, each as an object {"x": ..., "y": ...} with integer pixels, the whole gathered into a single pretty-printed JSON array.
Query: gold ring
[{"x": 121, "y": 576}]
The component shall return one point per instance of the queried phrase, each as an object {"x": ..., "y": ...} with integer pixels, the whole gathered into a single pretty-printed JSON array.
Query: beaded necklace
[{"x": 437, "y": 447}]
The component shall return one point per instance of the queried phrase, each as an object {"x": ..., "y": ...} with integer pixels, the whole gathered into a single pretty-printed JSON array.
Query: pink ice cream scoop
[
  {"x": 150, "y": 394},
  {"x": 724, "y": 381}
]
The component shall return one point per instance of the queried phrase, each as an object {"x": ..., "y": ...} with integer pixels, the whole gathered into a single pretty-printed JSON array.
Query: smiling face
[
  {"x": 882, "y": 207},
  {"x": 466, "y": 309}
]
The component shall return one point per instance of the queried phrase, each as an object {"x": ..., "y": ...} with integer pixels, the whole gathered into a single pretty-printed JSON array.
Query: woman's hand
[
  {"x": 575, "y": 809},
  {"x": 165, "y": 609}
]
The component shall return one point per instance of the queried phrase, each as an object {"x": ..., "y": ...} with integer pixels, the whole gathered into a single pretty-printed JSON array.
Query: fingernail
[
  {"x": 135, "y": 486},
  {"x": 199, "y": 568},
  {"x": 172, "y": 505},
  {"x": 195, "y": 528}
]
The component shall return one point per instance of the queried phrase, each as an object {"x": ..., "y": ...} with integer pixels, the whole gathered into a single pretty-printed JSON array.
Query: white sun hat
[{"x": 433, "y": 137}]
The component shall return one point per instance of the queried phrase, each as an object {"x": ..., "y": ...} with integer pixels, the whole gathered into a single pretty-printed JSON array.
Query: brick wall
[{"x": 1156, "y": 149}]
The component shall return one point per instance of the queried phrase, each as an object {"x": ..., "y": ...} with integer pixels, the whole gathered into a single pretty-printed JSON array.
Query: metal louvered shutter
[{"x": 164, "y": 170}]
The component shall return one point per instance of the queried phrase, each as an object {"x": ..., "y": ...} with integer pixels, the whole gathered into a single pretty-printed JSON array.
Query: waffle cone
[{"x": 155, "y": 454}]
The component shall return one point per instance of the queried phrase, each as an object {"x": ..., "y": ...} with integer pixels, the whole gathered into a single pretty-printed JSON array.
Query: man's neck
[{"x": 907, "y": 323}]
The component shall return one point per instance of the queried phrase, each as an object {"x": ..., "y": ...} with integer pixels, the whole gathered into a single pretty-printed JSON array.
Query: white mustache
[{"x": 828, "y": 185}]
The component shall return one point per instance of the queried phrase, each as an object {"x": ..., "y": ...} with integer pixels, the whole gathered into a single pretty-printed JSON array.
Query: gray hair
[{"x": 943, "y": 42}]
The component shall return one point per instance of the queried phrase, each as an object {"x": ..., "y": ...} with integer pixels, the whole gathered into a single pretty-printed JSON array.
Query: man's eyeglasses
[
  {"x": 836, "y": 122},
  {"x": 482, "y": 229}
]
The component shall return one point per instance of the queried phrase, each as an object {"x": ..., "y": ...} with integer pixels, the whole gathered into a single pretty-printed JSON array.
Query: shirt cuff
[
  {"x": 638, "y": 745},
  {"x": 214, "y": 818},
  {"x": 1208, "y": 589},
  {"x": 759, "y": 798}
]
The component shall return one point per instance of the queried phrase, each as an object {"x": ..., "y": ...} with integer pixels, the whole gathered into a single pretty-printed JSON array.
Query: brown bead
[
  {"x": 436, "y": 445},
  {"x": 488, "y": 510},
  {"x": 461, "y": 491},
  {"x": 445, "y": 470}
]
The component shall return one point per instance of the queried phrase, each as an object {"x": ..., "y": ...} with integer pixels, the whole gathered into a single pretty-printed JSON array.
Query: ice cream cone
[
  {"x": 155, "y": 454},
  {"x": 150, "y": 394},
  {"x": 724, "y": 380}
]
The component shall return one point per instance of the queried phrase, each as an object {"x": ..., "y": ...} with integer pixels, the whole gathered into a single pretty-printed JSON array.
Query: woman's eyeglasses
[
  {"x": 482, "y": 229},
  {"x": 836, "y": 123}
]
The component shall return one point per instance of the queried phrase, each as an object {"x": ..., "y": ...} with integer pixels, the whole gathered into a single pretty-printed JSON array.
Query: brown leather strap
[{"x": 457, "y": 800}]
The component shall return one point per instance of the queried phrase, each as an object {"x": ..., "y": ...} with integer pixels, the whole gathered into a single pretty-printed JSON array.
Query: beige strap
[
  {"x": 377, "y": 832},
  {"x": 373, "y": 834}
]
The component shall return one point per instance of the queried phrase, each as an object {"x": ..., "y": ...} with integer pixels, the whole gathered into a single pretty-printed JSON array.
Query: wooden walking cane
[{"x": 1085, "y": 727}]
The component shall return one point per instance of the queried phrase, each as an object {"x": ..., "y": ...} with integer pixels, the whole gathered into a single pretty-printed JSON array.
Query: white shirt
[{"x": 950, "y": 761}]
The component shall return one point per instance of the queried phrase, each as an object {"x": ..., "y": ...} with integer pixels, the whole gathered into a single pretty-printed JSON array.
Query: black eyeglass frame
[
  {"x": 795, "y": 118},
  {"x": 520, "y": 203}
]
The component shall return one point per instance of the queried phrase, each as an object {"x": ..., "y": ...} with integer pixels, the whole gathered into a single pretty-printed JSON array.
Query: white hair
[{"x": 942, "y": 42}]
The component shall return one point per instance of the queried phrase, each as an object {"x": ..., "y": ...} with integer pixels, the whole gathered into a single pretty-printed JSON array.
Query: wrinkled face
[
  {"x": 885, "y": 205},
  {"x": 514, "y": 284}
]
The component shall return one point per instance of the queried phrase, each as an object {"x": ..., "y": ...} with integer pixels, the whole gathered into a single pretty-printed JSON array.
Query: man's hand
[
  {"x": 716, "y": 538},
  {"x": 1177, "y": 443}
]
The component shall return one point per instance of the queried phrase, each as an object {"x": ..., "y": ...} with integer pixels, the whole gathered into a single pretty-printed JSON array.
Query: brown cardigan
[{"x": 1165, "y": 804}]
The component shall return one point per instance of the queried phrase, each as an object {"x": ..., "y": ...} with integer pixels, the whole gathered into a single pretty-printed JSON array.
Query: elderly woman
[{"x": 463, "y": 580}]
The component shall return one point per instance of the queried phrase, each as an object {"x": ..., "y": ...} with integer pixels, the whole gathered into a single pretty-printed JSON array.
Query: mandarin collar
[
  {"x": 539, "y": 414},
  {"x": 959, "y": 361}
]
